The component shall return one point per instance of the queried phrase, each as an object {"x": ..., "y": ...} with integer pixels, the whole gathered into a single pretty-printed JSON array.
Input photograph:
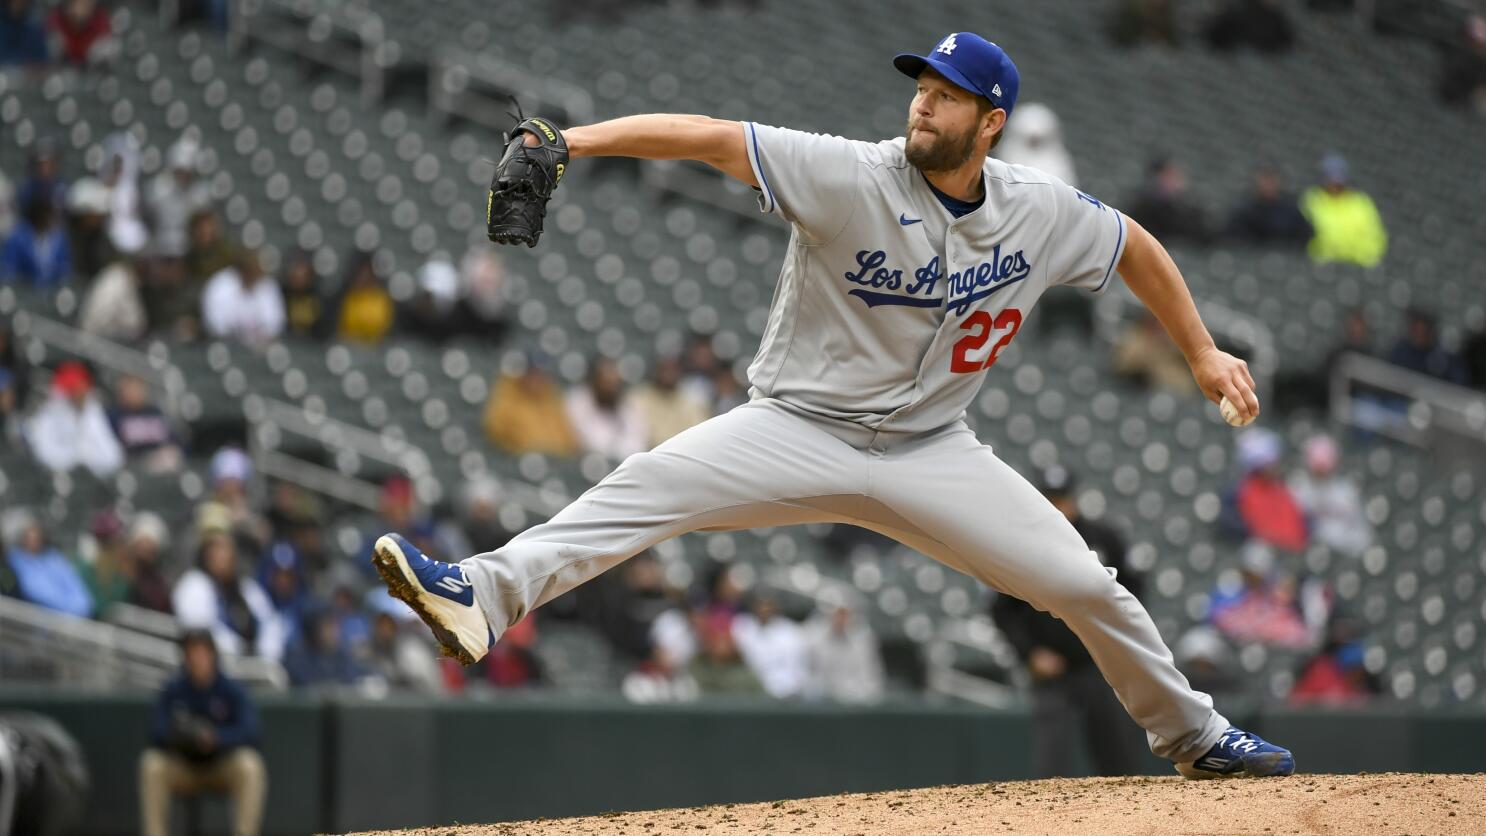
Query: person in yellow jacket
[
  {"x": 366, "y": 310},
  {"x": 1346, "y": 222},
  {"x": 526, "y": 413}
]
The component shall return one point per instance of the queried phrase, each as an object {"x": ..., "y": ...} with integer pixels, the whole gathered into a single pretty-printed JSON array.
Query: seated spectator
[
  {"x": 526, "y": 412},
  {"x": 718, "y": 669},
  {"x": 319, "y": 657},
  {"x": 242, "y": 303},
  {"x": 842, "y": 657},
  {"x": 83, "y": 32},
  {"x": 401, "y": 657},
  {"x": 1347, "y": 225},
  {"x": 510, "y": 663},
  {"x": 1035, "y": 139},
  {"x": 46, "y": 577},
  {"x": 120, "y": 173},
  {"x": 282, "y": 576},
  {"x": 1336, "y": 676},
  {"x": 22, "y": 37},
  {"x": 172, "y": 300},
  {"x": 1164, "y": 208},
  {"x": 1463, "y": 73},
  {"x": 209, "y": 252},
  {"x": 175, "y": 196},
  {"x": 604, "y": 418},
  {"x": 149, "y": 537},
  {"x": 1263, "y": 606},
  {"x": 37, "y": 253},
  {"x": 213, "y": 596},
  {"x": 1331, "y": 502},
  {"x": 1419, "y": 350},
  {"x": 435, "y": 314},
  {"x": 485, "y": 301},
  {"x": 71, "y": 429},
  {"x": 480, "y": 519},
  {"x": 114, "y": 305},
  {"x": 727, "y": 393},
  {"x": 1146, "y": 354},
  {"x": 103, "y": 561},
  {"x": 202, "y": 739},
  {"x": 44, "y": 179},
  {"x": 231, "y": 471},
  {"x": 1208, "y": 663},
  {"x": 352, "y": 624},
  {"x": 1266, "y": 510},
  {"x": 1139, "y": 22},
  {"x": 700, "y": 368},
  {"x": 774, "y": 647},
  {"x": 366, "y": 310},
  {"x": 304, "y": 305},
  {"x": 87, "y": 228},
  {"x": 142, "y": 428},
  {"x": 666, "y": 408},
  {"x": 623, "y": 604},
  {"x": 1269, "y": 215},
  {"x": 1255, "y": 24}
]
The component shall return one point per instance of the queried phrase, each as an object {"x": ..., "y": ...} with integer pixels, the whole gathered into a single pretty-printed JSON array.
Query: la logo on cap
[{"x": 947, "y": 46}]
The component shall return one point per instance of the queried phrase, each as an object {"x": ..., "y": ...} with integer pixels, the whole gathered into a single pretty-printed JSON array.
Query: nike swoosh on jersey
[{"x": 905, "y": 220}]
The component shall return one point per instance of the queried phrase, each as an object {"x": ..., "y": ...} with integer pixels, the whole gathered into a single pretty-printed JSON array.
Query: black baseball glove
[{"x": 523, "y": 183}]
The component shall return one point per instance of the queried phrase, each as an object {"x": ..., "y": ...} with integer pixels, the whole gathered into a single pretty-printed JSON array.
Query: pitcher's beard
[{"x": 945, "y": 153}]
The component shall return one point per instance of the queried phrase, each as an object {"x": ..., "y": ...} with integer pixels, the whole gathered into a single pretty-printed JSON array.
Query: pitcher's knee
[{"x": 1087, "y": 590}]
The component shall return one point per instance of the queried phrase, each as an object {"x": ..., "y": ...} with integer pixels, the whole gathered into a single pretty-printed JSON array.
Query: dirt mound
[{"x": 1389, "y": 803}]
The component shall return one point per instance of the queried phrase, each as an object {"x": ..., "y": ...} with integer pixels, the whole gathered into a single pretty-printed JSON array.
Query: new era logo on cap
[{"x": 996, "y": 90}]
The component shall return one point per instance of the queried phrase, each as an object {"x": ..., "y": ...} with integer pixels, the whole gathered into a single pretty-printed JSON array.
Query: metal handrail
[{"x": 1434, "y": 404}]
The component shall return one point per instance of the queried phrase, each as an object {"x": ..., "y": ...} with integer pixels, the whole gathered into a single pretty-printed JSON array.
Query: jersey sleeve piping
[
  {"x": 766, "y": 201},
  {"x": 1119, "y": 248}
]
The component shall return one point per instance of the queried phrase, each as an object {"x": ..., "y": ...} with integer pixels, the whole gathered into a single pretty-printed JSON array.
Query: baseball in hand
[{"x": 1230, "y": 414}]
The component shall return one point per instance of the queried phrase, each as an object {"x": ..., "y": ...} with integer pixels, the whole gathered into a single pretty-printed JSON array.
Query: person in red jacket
[
  {"x": 82, "y": 31},
  {"x": 1266, "y": 506}
]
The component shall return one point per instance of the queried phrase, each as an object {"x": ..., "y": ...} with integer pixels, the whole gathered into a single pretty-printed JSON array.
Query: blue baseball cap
[{"x": 971, "y": 63}]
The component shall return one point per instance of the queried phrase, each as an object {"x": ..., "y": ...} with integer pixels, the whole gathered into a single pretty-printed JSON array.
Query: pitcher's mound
[{"x": 1389, "y": 803}]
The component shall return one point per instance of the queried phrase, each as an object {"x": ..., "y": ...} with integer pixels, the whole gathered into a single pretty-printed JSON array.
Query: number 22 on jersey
[{"x": 981, "y": 326}]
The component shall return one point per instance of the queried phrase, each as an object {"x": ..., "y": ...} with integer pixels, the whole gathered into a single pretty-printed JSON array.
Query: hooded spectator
[
  {"x": 230, "y": 507},
  {"x": 305, "y": 306},
  {"x": 1347, "y": 225},
  {"x": 175, "y": 195},
  {"x": 526, "y": 412},
  {"x": 83, "y": 32},
  {"x": 666, "y": 408},
  {"x": 1165, "y": 209},
  {"x": 243, "y": 303},
  {"x": 842, "y": 657},
  {"x": 1267, "y": 509},
  {"x": 1330, "y": 500},
  {"x": 1034, "y": 138},
  {"x": 603, "y": 417},
  {"x": 71, "y": 429},
  {"x": 1269, "y": 215},
  {"x": 1254, "y": 24},
  {"x": 120, "y": 174},
  {"x": 114, "y": 305},
  {"x": 282, "y": 576},
  {"x": 214, "y": 596},
  {"x": 44, "y": 576},
  {"x": 148, "y": 539},
  {"x": 87, "y": 228},
  {"x": 1419, "y": 350},
  {"x": 22, "y": 37},
  {"x": 366, "y": 310},
  {"x": 142, "y": 428},
  {"x": 37, "y": 253}
]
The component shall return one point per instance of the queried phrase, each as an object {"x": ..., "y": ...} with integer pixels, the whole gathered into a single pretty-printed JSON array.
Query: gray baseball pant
[{"x": 942, "y": 493}]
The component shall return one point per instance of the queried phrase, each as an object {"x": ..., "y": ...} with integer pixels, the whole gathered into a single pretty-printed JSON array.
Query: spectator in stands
[
  {"x": 103, "y": 560},
  {"x": 1419, "y": 350},
  {"x": 44, "y": 576},
  {"x": 435, "y": 313},
  {"x": 352, "y": 623},
  {"x": 526, "y": 412},
  {"x": 1256, "y": 24},
  {"x": 480, "y": 517},
  {"x": 208, "y": 254},
  {"x": 172, "y": 300},
  {"x": 175, "y": 196},
  {"x": 1262, "y": 605},
  {"x": 1146, "y": 354},
  {"x": 281, "y": 573},
  {"x": 604, "y": 418},
  {"x": 202, "y": 739},
  {"x": 120, "y": 173},
  {"x": 87, "y": 228},
  {"x": 142, "y": 428},
  {"x": 700, "y": 368},
  {"x": 44, "y": 177},
  {"x": 230, "y": 505},
  {"x": 83, "y": 32},
  {"x": 71, "y": 429},
  {"x": 366, "y": 310},
  {"x": 1331, "y": 502},
  {"x": 149, "y": 536},
  {"x": 1206, "y": 660},
  {"x": 113, "y": 307},
  {"x": 37, "y": 253},
  {"x": 842, "y": 657},
  {"x": 511, "y": 663},
  {"x": 483, "y": 276},
  {"x": 665, "y": 407},
  {"x": 718, "y": 669},
  {"x": 1035, "y": 138},
  {"x": 243, "y": 303},
  {"x": 624, "y": 607},
  {"x": 1164, "y": 207},
  {"x": 1265, "y": 508},
  {"x": 401, "y": 658},
  {"x": 1463, "y": 73},
  {"x": 1269, "y": 215},
  {"x": 1347, "y": 225},
  {"x": 305, "y": 308},
  {"x": 773, "y": 646},
  {"x": 1138, "y": 22},
  {"x": 1067, "y": 689},
  {"x": 214, "y": 596},
  {"x": 1336, "y": 675},
  {"x": 727, "y": 393},
  {"x": 22, "y": 37},
  {"x": 319, "y": 657}
]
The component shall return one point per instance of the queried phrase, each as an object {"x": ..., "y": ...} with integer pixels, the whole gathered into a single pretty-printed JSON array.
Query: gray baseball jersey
[{"x": 889, "y": 309}]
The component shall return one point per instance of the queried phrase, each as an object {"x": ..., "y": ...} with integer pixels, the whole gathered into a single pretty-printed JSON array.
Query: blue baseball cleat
[
  {"x": 1238, "y": 754},
  {"x": 439, "y": 593}
]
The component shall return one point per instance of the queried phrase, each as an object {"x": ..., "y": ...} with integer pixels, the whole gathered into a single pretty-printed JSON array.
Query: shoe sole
[
  {"x": 403, "y": 585},
  {"x": 1265, "y": 765}
]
